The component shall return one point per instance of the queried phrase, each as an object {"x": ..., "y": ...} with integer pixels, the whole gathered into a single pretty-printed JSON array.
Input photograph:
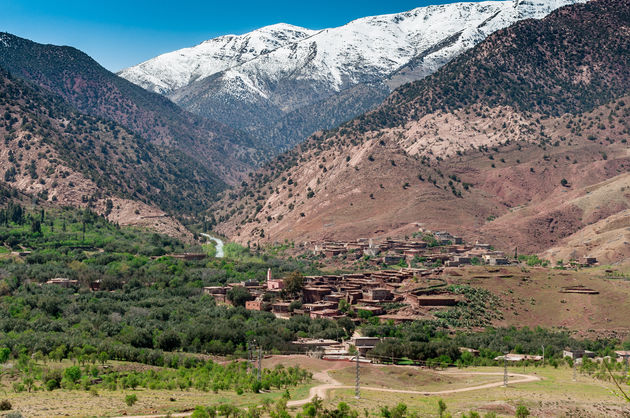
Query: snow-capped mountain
[
  {"x": 258, "y": 81},
  {"x": 170, "y": 71}
]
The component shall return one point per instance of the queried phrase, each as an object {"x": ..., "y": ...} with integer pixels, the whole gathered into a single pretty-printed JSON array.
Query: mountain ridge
[
  {"x": 483, "y": 167},
  {"x": 93, "y": 90},
  {"x": 320, "y": 65},
  {"x": 54, "y": 153}
]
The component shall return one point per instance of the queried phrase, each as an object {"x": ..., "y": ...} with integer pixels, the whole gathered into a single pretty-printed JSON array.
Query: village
[
  {"x": 406, "y": 283},
  {"x": 402, "y": 280},
  {"x": 410, "y": 277}
]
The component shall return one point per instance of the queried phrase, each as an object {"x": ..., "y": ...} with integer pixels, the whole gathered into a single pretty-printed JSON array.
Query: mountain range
[
  {"x": 281, "y": 83},
  {"x": 92, "y": 90},
  {"x": 521, "y": 141},
  {"x": 77, "y": 134},
  {"x": 483, "y": 121}
]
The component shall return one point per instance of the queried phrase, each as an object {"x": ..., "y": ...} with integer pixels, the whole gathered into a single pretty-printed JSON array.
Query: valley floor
[{"x": 545, "y": 391}]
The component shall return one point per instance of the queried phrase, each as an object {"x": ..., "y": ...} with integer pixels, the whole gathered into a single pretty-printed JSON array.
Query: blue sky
[{"x": 122, "y": 33}]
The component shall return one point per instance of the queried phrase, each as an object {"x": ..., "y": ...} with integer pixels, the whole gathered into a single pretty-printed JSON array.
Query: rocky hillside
[
  {"x": 54, "y": 153},
  {"x": 93, "y": 90},
  {"x": 278, "y": 82},
  {"x": 508, "y": 143}
]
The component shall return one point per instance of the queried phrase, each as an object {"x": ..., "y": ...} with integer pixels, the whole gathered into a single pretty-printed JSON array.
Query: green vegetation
[
  {"x": 209, "y": 248},
  {"x": 149, "y": 303},
  {"x": 432, "y": 343},
  {"x": 430, "y": 240},
  {"x": 479, "y": 308},
  {"x": 181, "y": 373},
  {"x": 532, "y": 260},
  {"x": 130, "y": 400}
]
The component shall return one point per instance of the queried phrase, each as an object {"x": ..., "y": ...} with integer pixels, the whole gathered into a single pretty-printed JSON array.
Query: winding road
[
  {"x": 330, "y": 383},
  {"x": 219, "y": 244}
]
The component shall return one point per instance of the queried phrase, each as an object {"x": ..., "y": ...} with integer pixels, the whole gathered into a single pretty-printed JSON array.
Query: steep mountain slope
[
  {"x": 93, "y": 90},
  {"x": 282, "y": 69},
  {"x": 57, "y": 154},
  {"x": 505, "y": 143}
]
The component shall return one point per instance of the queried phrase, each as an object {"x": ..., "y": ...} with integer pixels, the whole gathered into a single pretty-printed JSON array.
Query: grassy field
[
  {"x": 112, "y": 403},
  {"x": 408, "y": 378},
  {"x": 104, "y": 402},
  {"x": 555, "y": 395}
]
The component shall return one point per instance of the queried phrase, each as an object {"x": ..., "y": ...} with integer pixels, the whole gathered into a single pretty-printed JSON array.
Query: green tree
[
  {"x": 72, "y": 374},
  {"x": 168, "y": 340},
  {"x": 36, "y": 227},
  {"x": 294, "y": 283},
  {"x": 103, "y": 357},
  {"x": 238, "y": 295},
  {"x": 399, "y": 411}
]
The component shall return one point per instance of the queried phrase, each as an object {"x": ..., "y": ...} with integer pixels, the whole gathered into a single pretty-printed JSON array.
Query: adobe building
[
  {"x": 254, "y": 305},
  {"x": 380, "y": 294}
]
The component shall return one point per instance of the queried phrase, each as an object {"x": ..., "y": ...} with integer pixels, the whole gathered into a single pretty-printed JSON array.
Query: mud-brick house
[
  {"x": 313, "y": 294},
  {"x": 254, "y": 305},
  {"x": 380, "y": 293}
]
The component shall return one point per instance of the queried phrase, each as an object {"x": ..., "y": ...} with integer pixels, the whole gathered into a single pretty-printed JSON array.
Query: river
[{"x": 219, "y": 244}]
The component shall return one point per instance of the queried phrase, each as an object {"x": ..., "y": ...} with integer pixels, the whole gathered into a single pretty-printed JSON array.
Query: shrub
[
  {"x": 52, "y": 384},
  {"x": 4, "y": 354},
  {"x": 522, "y": 411},
  {"x": 130, "y": 400},
  {"x": 256, "y": 386},
  {"x": 200, "y": 412},
  {"x": 441, "y": 407},
  {"x": 5, "y": 405}
]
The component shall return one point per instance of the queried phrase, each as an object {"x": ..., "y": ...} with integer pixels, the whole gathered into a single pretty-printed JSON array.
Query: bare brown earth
[
  {"x": 68, "y": 159},
  {"x": 530, "y": 296},
  {"x": 501, "y": 144},
  {"x": 68, "y": 187},
  {"x": 514, "y": 199}
]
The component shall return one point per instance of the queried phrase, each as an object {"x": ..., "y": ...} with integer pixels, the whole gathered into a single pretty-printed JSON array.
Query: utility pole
[
  {"x": 357, "y": 390},
  {"x": 249, "y": 357},
  {"x": 543, "y": 347},
  {"x": 574, "y": 369},
  {"x": 505, "y": 372},
  {"x": 259, "y": 363}
]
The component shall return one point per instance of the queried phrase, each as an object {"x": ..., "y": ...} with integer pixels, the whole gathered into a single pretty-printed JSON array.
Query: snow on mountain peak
[
  {"x": 4, "y": 39},
  {"x": 281, "y": 68},
  {"x": 173, "y": 70}
]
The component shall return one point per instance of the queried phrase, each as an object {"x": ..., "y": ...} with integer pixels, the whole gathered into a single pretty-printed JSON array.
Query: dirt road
[{"x": 330, "y": 383}]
